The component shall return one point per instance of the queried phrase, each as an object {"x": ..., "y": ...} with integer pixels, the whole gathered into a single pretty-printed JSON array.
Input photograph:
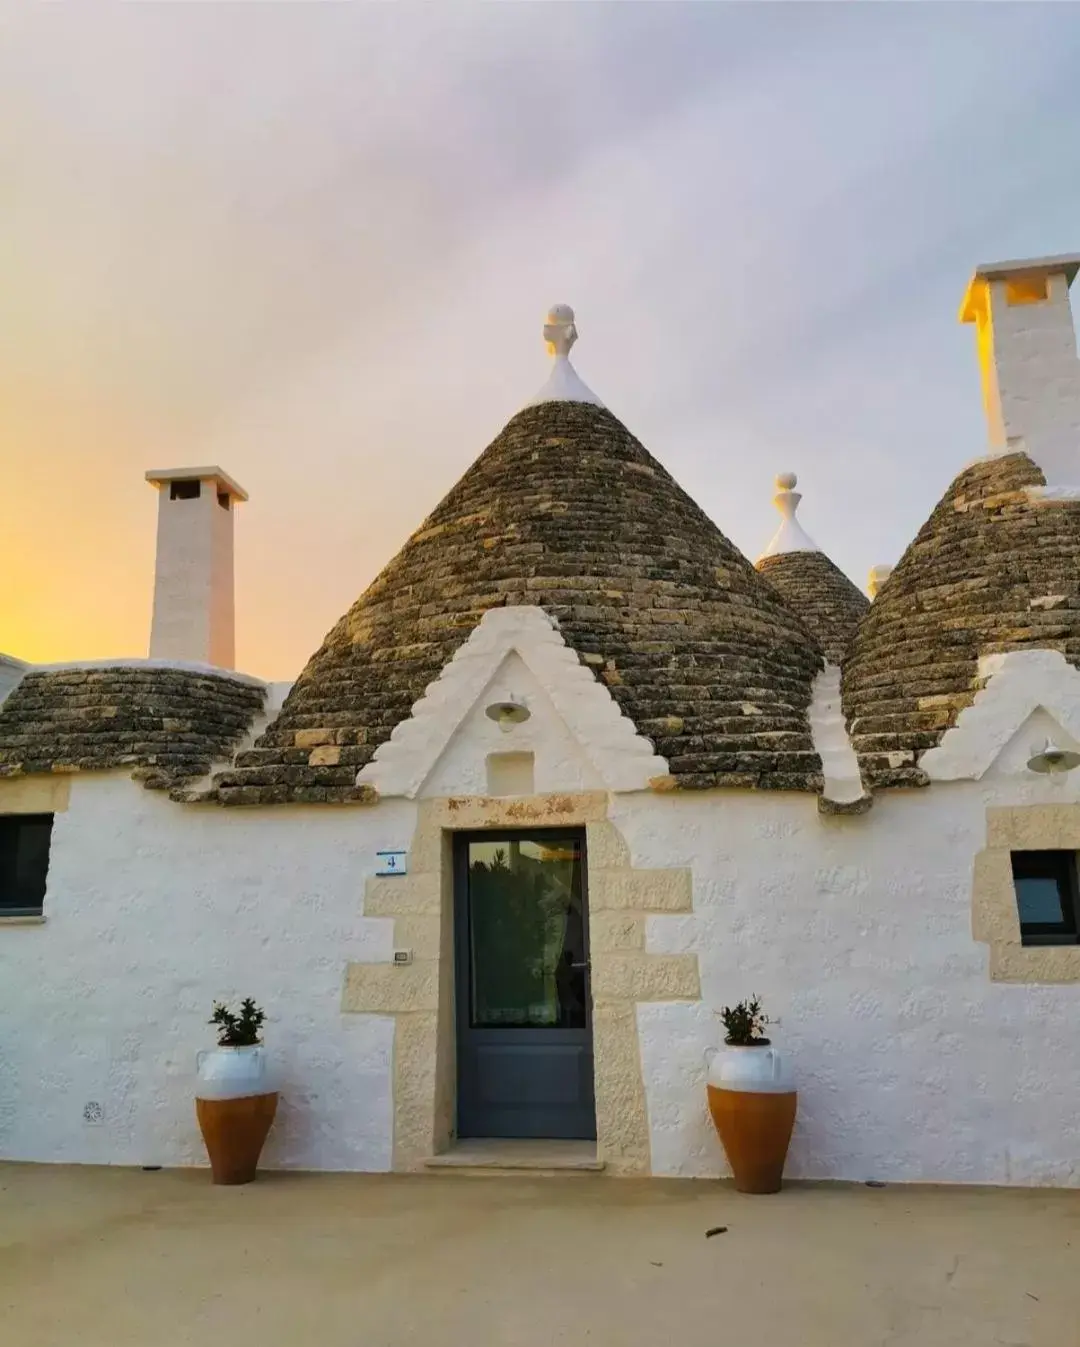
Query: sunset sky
[{"x": 314, "y": 244}]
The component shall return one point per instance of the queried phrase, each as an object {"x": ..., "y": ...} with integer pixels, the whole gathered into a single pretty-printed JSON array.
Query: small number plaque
[{"x": 391, "y": 862}]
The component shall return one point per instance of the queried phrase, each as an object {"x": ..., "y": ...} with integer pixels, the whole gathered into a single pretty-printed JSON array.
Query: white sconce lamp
[
  {"x": 1051, "y": 758},
  {"x": 508, "y": 713}
]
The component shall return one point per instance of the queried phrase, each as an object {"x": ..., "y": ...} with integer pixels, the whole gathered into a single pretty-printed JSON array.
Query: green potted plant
[
  {"x": 235, "y": 1103},
  {"x": 752, "y": 1098}
]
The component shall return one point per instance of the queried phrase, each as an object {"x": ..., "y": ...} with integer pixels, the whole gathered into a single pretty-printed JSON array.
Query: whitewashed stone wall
[
  {"x": 856, "y": 931},
  {"x": 912, "y": 1065},
  {"x": 153, "y": 910}
]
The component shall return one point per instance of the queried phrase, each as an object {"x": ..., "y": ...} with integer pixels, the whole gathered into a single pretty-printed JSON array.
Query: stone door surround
[{"x": 420, "y": 995}]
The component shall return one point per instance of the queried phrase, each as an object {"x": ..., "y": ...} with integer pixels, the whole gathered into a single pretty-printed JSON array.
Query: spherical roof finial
[
  {"x": 790, "y": 536},
  {"x": 563, "y": 383},
  {"x": 559, "y": 330}
]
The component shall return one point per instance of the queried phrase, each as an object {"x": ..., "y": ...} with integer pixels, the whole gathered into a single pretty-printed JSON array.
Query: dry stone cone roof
[
  {"x": 167, "y": 725},
  {"x": 994, "y": 568},
  {"x": 567, "y": 510},
  {"x": 814, "y": 587}
]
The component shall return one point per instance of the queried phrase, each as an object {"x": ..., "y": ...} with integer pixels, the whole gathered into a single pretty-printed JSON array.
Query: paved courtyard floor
[{"x": 121, "y": 1258}]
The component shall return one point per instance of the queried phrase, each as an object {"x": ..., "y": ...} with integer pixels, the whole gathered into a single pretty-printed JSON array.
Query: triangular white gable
[
  {"x": 1033, "y": 733},
  {"x": 554, "y": 761},
  {"x": 621, "y": 758},
  {"x": 1020, "y": 682}
]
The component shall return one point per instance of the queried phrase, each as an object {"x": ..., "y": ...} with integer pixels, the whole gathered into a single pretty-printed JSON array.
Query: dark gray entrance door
[{"x": 525, "y": 1062}]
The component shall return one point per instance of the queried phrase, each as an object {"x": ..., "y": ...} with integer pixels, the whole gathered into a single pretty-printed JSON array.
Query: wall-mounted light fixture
[
  {"x": 1051, "y": 758},
  {"x": 508, "y": 713}
]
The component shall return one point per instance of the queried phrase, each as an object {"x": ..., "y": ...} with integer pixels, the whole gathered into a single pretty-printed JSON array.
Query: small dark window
[
  {"x": 189, "y": 490},
  {"x": 223, "y": 499},
  {"x": 1045, "y": 883},
  {"x": 24, "y": 863}
]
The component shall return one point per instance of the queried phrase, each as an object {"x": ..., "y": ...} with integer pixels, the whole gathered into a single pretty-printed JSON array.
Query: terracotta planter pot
[
  {"x": 756, "y": 1130},
  {"x": 234, "y": 1131},
  {"x": 752, "y": 1100}
]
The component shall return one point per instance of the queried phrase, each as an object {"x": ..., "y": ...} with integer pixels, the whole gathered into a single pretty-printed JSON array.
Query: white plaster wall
[
  {"x": 856, "y": 932},
  {"x": 153, "y": 910}
]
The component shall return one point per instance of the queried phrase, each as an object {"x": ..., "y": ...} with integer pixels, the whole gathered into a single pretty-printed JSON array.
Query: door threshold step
[{"x": 495, "y": 1155}]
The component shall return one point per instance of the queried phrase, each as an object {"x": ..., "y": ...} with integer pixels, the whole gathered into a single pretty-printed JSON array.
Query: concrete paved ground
[{"x": 122, "y": 1258}]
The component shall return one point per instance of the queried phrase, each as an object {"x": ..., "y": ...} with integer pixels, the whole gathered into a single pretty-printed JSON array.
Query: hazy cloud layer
[{"x": 314, "y": 243}]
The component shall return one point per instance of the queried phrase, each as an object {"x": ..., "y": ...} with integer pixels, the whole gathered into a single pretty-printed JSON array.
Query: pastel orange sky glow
[{"x": 315, "y": 245}]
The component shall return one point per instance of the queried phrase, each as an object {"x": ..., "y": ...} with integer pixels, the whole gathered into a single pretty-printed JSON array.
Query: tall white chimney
[
  {"x": 194, "y": 608},
  {"x": 1027, "y": 355}
]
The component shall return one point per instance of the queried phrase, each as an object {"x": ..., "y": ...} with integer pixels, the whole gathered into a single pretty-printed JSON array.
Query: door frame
[{"x": 462, "y": 954}]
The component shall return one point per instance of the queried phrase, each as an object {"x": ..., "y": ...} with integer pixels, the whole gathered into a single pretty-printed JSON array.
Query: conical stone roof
[
  {"x": 812, "y": 585},
  {"x": 994, "y": 568},
  {"x": 815, "y": 588},
  {"x": 567, "y": 510}
]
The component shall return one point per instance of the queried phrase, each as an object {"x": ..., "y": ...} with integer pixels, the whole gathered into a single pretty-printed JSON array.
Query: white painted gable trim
[
  {"x": 624, "y": 759},
  {"x": 1018, "y": 683},
  {"x": 829, "y": 735}
]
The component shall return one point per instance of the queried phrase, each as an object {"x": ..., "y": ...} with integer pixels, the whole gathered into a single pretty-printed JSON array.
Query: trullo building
[{"x": 569, "y": 776}]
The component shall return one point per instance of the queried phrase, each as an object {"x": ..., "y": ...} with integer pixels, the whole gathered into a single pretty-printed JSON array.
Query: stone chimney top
[
  {"x": 194, "y": 607},
  {"x": 1027, "y": 358}
]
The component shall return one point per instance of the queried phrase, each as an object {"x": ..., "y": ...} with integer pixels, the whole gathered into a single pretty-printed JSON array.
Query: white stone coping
[
  {"x": 974, "y": 295},
  {"x": 1052, "y": 493},
  {"x": 829, "y": 735},
  {"x": 1069, "y": 263},
  {"x": 159, "y": 476},
  {"x": 1017, "y": 683}
]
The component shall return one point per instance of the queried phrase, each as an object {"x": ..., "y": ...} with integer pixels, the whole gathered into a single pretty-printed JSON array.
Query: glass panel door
[
  {"x": 527, "y": 934},
  {"x": 524, "y": 1020}
]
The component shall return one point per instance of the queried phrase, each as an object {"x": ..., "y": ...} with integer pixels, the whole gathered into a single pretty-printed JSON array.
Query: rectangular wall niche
[{"x": 510, "y": 774}]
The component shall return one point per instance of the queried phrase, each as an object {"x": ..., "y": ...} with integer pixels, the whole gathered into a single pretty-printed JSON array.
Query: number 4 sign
[{"x": 391, "y": 862}]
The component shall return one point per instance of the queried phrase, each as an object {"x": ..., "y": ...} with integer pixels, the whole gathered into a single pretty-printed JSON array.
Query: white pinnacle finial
[
  {"x": 789, "y": 537},
  {"x": 563, "y": 384},
  {"x": 559, "y": 330},
  {"x": 878, "y": 576}
]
